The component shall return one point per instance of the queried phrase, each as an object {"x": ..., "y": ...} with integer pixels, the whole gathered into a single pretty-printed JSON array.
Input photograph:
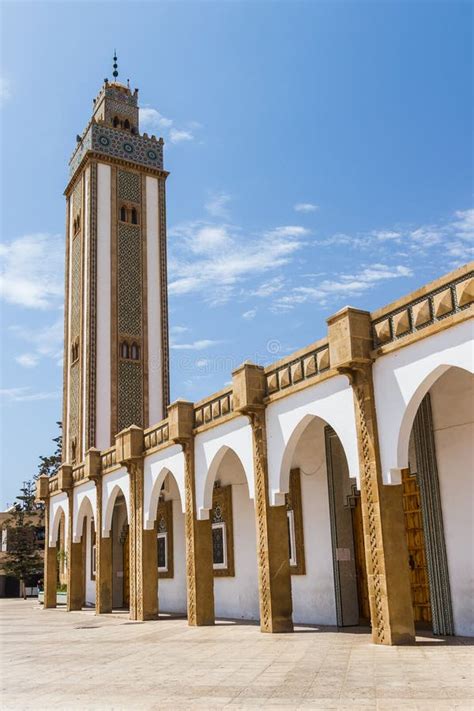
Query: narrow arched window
[
  {"x": 126, "y": 124},
  {"x": 134, "y": 352},
  {"x": 124, "y": 350},
  {"x": 134, "y": 217},
  {"x": 116, "y": 122},
  {"x": 123, "y": 214}
]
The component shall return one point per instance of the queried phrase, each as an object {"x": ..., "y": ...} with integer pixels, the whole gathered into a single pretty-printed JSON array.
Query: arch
[
  {"x": 58, "y": 514},
  {"x": 134, "y": 216},
  {"x": 134, "y": 351},
  {"x": 126, "y": 124},
  {"x": 109, "y": 509},
  {"x": 124, "y": 350},
  {"x": 408, "y": 417},
  {"x": 155, "y": 496},
  {"x": 402, "y": 378},
  {"x": 332, "y": 402},
  {"x": 85, "y": 508},
  {"x": 116, "y": 121},
  {"x": 123, "y": 213},
  {"x": 212, "y": 474}
]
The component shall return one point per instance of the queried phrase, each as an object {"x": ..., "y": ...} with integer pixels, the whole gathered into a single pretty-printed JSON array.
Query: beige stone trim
[{"x": 144, "y": 338}]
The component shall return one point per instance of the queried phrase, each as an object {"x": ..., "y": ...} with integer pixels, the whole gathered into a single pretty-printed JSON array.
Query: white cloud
[
  {"x": 28, "y": 360},
  {"x": 223, "y": 258},
  {"x": 152, "y": 120},
  {"x": 342, "y": 285},
  {"x": 305, "y": 207},
  {"x": 250, "y": 314},
  {"x": 25, "y": 394},
  {"x": 386, "y": 235},
  {"x": 5, "y": 90},
  {"x": 47, "y": 342},
  {"x": 199, "y": 345},
  {"x": 178, "y": 135},
  {"x": 217, "y": 205},
  {"x": 267, "y": 288},
  {"x": 31, "y": 271},
  {"x": 177, "y": 330}
]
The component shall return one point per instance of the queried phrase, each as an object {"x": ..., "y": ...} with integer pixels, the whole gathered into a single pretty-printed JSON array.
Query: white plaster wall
[
  {"x": 452, "y": 399},
  {"x": 67, "y": 353},
  {"x": 113, "y": 484},
  {"x": 332, "y": 401},
  {"x": 209, "y": 449},
  {"x": 85, "y": 296},
  {"x": 155, "y": 361},
  {"x": 84, "y": 496},
  {"x": 156, "y": 468},
  {"x": 314, "y": 600},
  {"x": 237, "y": 597},
  {"x": 172, "y": 591},
  {"x": 58, "y": 504},
  {"x": 103, "y": 368},
  {"x": 90, "y": 584},
  {"x": 402, "y": 378}
]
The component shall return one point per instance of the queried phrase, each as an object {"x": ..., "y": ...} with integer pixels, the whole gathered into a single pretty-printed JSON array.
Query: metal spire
[{"x": 115, "y": 65}]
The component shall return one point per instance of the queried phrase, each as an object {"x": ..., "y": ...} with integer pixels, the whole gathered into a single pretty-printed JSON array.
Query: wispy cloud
[
  {"x": 341, "y": 285},
  {"x": 214, "y": 259},
  {"x": 217, "y": 205},
  {"x": 250, "y": 314},
  {"x": 199, "y": 345},
  {"x": 152, "y": 120},
  {"x": 31, "y": 271},
  {"x": 26, "y": 394},
  {"x": 45, "y": 342},
  {"x": 305, "y": 207}
]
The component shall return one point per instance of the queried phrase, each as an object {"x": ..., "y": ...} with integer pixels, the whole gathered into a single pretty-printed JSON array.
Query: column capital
[
  {"x": 42, "y": 488},
  {"x": 129, "y": 445},
  {"x": 65, "y": 482},
  {"x": 350, "y": 339},
  {"x": 249, "y": 388},
  {"x": 181, "y": 421}
]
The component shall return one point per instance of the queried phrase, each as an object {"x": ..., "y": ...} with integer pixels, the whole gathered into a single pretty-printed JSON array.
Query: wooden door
[
  {"x": 420, "y": 590},
  {"x": 361, "y": 568},
  {"x": 126, "y": 570}
]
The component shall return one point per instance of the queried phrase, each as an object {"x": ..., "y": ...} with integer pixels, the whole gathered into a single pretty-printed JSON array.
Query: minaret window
[
  {"x": 126, "y": 124},
  {"x": 73, "y": 450},
  {"x": 116, "y": 122},
  {"x": 134, "y": 352},
  {"x": 123, "y": 213},
  {"x": 75, "y": 351},
  {"x": 124, "y": 350},
  {"x": 134, "y": 217}
]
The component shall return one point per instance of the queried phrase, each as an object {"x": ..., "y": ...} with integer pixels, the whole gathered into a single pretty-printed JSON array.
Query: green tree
[
  {"x": 22, "y": 559},
  {"x": 50, "y": 465}
]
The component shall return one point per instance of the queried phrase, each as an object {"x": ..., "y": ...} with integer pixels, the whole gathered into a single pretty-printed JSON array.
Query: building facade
[{"x": 333, "y": 487}]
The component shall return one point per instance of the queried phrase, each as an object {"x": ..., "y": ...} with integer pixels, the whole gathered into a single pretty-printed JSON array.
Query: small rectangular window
[
  {"x": 291, "y": 537},
  {"x": 162, "y": 551},
  {"x": 219, "y": 546}
]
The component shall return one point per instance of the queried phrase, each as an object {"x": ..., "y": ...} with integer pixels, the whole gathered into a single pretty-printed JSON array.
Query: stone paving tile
[{"x": 78, "y": 661}]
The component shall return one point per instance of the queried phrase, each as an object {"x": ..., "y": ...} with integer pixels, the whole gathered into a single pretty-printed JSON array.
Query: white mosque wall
[
  {"x": 103, "y": 355},
  {"x": 155, "y": 396}
]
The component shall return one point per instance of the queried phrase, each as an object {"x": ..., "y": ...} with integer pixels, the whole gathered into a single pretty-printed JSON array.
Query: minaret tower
[{"x": 116, "y": 313}]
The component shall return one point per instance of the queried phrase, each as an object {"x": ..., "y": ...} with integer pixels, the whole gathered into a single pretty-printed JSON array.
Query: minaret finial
[{"x": 115, "y": 65}]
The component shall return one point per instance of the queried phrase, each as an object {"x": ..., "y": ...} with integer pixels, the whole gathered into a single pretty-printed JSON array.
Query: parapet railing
[
  {"x": 431, "y": 304},
  {"x": 298, "y": 367},
  {"x": 213, "y": 408},
  {"x": 156, "y": 435},
  {"x": 108, "y": 459}
]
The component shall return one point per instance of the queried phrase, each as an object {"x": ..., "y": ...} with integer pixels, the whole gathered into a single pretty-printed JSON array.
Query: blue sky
[{"x": 322, "y": 150}]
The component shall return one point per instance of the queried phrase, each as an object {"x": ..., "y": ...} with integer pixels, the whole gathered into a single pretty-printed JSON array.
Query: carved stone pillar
[
  {"x": 50, "y": 552},
  {"x": 199, "y": 570},
  {"x": 143, "y": 556},
  {"x": 274, "y": 574},
  {"x": 386, "y": 550}
]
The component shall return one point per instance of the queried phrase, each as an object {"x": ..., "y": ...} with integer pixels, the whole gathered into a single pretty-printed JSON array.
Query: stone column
[
  {"x": 143, "y": 555},
  {"x": 50, "y": 552},
  {"x": 199, "y": 570},
  {"x": 274, "y": 576},
  {"x": 350, "y": 344}
]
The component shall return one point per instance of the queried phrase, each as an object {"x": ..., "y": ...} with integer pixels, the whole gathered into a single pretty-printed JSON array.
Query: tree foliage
[
  {"x": 22, "y": 559},
  {"x": 50, "y": 465}
]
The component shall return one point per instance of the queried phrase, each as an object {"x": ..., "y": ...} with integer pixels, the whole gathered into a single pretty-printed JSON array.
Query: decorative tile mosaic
[
  {"x": 130, "y": 395},
  {"x": 129, "y": 186},
  {"x": 129, "y": 280}
]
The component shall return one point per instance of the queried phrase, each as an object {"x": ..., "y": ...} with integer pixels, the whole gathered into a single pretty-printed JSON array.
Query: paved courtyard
[{"x": 54, "y": 660}]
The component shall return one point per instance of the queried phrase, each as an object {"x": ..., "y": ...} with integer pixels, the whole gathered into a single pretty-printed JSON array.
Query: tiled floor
[{"x": 57, "y": 660}]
